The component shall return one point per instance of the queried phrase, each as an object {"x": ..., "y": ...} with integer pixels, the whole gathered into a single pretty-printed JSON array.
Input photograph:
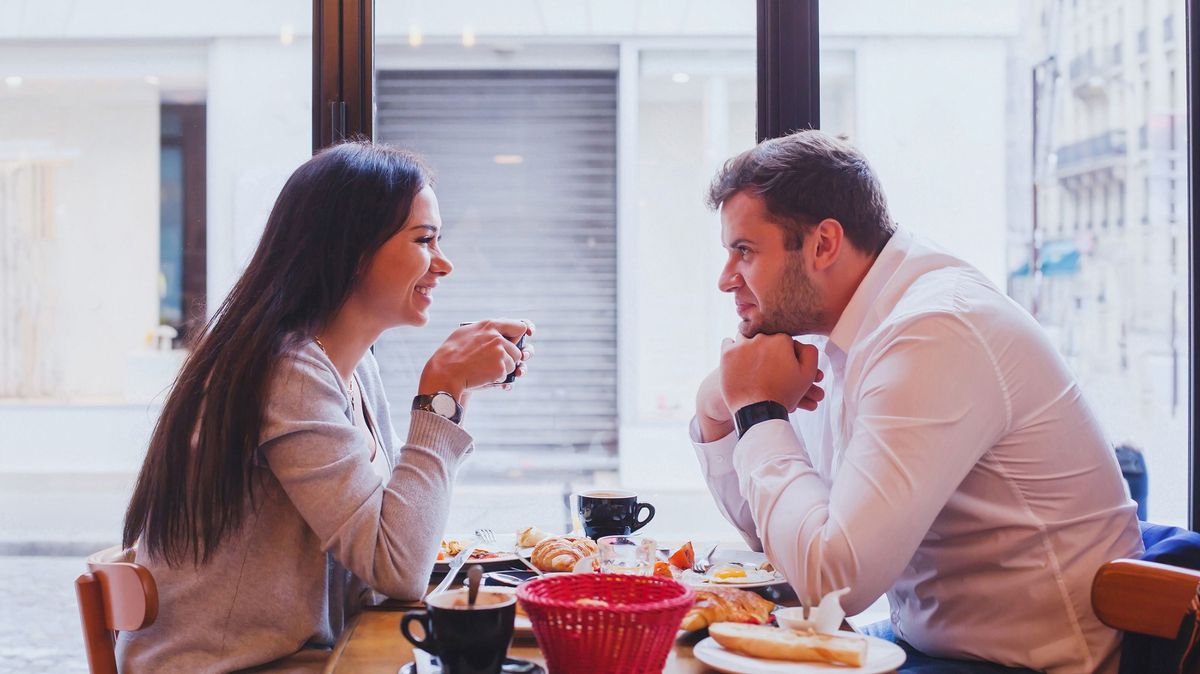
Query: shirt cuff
[
  {"x": 764, "y": 441},
  {"x": 716, "y": 457}
]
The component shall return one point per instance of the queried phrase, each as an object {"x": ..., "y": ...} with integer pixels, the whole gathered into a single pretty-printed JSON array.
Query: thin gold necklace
[{"x": 349, "y": 387}]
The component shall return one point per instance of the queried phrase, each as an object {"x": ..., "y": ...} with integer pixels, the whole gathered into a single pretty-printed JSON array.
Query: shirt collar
[{"x": 854, "y": 317}]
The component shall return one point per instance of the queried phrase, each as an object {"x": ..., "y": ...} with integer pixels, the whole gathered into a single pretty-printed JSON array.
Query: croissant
[
  {"x": 531, "y": 536},
  {"x": 559, "y": 553},
  {"x": 726, "y": 604}
]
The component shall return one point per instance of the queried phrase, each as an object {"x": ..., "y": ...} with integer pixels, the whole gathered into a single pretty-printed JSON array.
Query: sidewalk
[{"x": 61, "y": 514}]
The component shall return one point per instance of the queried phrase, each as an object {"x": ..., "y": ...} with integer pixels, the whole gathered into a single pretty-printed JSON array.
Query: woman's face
[{"x": 399, "y": 282}]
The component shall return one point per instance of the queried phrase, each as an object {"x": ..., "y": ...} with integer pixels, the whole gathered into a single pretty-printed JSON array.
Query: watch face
[{"x": 444, "y": 405}]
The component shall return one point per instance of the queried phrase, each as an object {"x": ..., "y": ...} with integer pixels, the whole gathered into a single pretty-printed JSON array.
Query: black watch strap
[{"x": 754, "y": 413}]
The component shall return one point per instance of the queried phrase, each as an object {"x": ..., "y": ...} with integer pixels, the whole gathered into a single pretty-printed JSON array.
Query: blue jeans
[{"x": 920, "y": 663}]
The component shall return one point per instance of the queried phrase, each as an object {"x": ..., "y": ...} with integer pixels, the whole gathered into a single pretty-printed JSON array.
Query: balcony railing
[{"x": 1105, "y": 146}]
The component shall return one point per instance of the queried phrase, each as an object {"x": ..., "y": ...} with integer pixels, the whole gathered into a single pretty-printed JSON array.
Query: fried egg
[{"x": 736, "y": 574}]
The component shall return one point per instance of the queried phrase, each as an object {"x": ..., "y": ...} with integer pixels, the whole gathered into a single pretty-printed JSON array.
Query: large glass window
[
  {"x": 1038, "y": 140},
  {"x": 573, "y": 150}
]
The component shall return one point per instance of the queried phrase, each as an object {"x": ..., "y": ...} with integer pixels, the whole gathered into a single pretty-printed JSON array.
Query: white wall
[
  {"x": 674, "y": 316},
  {"x": 104, "y": 138},
  {"x": 931, "y": 85},
  {"x": 259, "y": 131},
  {"x": 941, "y": 155}
]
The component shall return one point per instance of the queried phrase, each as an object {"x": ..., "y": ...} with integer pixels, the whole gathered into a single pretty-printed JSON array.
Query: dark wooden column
[
  {"x": 789, "y": 81},
  {"x": 343, "y": 70}
]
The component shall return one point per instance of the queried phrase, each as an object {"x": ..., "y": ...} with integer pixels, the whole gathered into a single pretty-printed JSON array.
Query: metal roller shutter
[{"x": 525, "y": 165}]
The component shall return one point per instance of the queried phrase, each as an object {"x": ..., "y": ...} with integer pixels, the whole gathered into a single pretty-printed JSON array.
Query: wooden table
[{"x": 372, "y": 644}]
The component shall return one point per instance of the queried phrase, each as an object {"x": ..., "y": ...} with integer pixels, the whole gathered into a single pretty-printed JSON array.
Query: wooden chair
[
  {"x": 1143, "y": 597},
  {"x": 114, "y": 595}
]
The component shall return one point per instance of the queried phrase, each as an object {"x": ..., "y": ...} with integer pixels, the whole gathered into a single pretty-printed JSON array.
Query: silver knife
[{"x": 455, "y": 565}]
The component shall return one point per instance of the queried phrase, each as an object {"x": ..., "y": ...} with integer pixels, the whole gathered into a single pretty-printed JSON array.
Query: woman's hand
[{"x": 477, "y": 355}]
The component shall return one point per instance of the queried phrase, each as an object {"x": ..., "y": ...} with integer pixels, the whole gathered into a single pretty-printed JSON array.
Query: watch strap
[{"x": 757, "y": 412}]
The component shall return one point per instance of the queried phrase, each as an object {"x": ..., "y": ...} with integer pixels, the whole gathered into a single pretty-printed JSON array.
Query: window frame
[
  {"x": 1192, "y": 15},
  {"x": 343, "y": 67}
]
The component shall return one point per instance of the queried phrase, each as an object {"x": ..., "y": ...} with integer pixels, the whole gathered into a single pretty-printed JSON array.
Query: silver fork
[
  {"x": 703, "y": 564},
  {"x": 486, "y": 535}
]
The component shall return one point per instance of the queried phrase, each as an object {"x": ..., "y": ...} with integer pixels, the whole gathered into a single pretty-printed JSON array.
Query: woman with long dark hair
[{"x": 274, "y": 495}]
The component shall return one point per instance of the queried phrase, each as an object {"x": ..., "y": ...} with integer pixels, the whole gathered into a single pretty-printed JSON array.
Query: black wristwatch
[
  {"x": 754, "y": 413},
  {"x": 441, "y": 403}
]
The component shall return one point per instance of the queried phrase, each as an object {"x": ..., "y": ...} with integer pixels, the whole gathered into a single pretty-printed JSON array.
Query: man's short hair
[{"x": 805, "y": 178}]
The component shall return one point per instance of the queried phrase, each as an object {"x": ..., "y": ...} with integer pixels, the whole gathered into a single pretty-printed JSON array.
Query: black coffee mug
[
  {"x": 468, "y": 640},
  {"x": 512, "y": 376},
  {"x": 612, "y": 512}
]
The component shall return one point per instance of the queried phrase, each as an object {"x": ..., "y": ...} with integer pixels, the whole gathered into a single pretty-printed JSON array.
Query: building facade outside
[{"x": 1111, "y": 233}]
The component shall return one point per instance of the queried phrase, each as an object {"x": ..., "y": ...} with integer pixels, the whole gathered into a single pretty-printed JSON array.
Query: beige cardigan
[{"x": 325, "y": 531}]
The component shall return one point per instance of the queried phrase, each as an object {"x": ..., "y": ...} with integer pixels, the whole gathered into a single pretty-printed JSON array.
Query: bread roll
[
  {"x": 531, "y": 536},
  {"x": 774, "y": 643},
  {"x": 726, "y": 604},
  {"x": 559, "y": 553}
]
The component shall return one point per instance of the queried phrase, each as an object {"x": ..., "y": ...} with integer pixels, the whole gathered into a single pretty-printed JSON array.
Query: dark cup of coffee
[
  {"x": 512, "y": 376},
  {"x": 467, "y": 639},
  {"x": 612, "y": 512}
]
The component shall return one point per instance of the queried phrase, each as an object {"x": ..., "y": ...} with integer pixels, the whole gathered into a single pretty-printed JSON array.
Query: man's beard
[{"x": 794, "y": 308}]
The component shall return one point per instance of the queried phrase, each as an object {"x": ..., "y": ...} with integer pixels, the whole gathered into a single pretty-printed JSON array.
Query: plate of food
[
  {"x": 730, "y": 568},
  {"x": 764, "y": 649},
  {"x": 502, "y": 550}
]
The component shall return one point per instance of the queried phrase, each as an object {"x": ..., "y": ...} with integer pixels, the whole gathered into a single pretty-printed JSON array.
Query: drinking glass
[{"x": 627, "y": 554}]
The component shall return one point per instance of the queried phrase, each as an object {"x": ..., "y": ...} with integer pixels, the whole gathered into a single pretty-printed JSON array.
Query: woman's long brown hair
[{"x": 334, "y": 213}]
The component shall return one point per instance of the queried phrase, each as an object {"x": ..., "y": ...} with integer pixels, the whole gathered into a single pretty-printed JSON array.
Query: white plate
[
  {"x": 722, "y": 556},
  {"x": 698, "y": 580},
  {"x": 882, "y": 656},
  {"x": 504, "y": 549}
]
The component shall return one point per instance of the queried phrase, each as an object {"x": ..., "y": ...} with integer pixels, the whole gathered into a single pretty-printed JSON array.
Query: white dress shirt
[{"x": 954, "y": 464}]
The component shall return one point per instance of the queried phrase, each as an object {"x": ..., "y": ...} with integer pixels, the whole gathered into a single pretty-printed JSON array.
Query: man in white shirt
[{"x": 951, "y": 460}]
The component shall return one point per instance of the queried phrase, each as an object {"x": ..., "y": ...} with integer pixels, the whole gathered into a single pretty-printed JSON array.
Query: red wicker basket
[{"x": 605, "y": 623}]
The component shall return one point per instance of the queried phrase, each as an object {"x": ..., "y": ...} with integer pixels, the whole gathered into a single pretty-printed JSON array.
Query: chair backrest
[
  {"x": 1144, "y": 597},
  {"x": 114, "y": 595}
]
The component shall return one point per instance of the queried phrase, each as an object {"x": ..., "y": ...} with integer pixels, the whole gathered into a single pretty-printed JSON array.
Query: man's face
[{"x": 771, "y": 289}]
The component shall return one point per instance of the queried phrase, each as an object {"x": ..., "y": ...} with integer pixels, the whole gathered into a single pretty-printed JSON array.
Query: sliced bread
[{"x": 775, "y": 643}]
